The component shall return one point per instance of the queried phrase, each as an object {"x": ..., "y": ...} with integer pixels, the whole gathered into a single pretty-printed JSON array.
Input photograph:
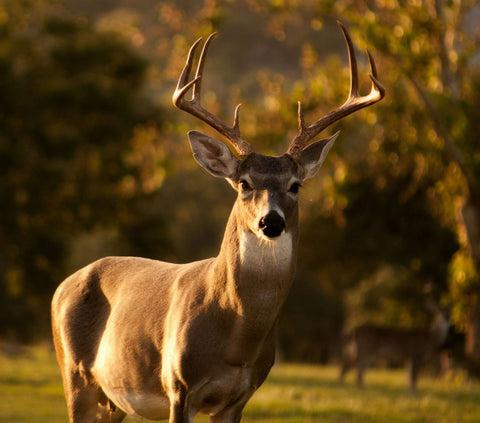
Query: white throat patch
[{"x": 266, "y": 254}]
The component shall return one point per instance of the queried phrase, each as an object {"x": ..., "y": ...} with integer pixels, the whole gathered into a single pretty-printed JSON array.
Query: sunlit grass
[
  {"x": 31, "y": 391},
  {"x": 301, "y": 393}
]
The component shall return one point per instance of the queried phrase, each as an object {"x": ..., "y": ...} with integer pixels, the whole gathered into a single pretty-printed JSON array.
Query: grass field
[{"x": 31, "y": 391}]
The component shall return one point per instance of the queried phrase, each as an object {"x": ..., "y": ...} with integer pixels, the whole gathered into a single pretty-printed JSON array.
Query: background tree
[
  {"x": 432, "y": 48},
  {"x": 71, "y": 113}
]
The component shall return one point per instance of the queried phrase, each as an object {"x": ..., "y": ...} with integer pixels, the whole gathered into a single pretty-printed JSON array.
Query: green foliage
[
  {"x": 389, "y": 297},
  {"x": 430, "y": 45},
  {"x": 70, "y": 99},
  {"x": 463, "y": 278}
]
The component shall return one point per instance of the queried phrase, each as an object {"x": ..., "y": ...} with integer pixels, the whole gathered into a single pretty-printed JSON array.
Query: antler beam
[
  {"x": 193, "y": 106},
  {"x": 353, "y": 103}
]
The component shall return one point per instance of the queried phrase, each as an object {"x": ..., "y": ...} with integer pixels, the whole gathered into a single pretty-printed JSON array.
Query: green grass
[{"x": 31, "y": 391}]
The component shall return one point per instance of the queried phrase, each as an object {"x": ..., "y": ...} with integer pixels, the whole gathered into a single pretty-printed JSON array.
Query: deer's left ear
[
  {"x": 314, "y": 155},
  {"x": 213, "y": 155}
]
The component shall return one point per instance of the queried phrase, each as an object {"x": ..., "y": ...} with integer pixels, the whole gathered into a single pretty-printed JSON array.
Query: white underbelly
[
  {"x": 138, "y": 404},
  {"x": 136, "y": 394}
]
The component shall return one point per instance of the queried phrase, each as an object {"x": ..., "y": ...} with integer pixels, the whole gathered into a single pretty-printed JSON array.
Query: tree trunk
[
  {"x": 472, "y": 342},
  {"x": 471, "y": 221}
]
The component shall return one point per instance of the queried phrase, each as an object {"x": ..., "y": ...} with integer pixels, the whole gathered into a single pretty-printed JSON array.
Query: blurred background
[{"x": 94, "y": 158}]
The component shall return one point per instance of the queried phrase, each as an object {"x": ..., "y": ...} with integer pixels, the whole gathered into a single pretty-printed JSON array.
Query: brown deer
[
  {"x": 367, "y": 343},
  {"x": 166, "y": 341}
]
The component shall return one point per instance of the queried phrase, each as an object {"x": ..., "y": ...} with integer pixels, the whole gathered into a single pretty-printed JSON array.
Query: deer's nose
[{"x": 272, "y": 224}]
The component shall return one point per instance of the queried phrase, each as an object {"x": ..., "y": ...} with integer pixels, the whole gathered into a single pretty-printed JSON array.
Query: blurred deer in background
[
  {"x": 367, "y": 343},
  {"x": 165, "y": 341}
]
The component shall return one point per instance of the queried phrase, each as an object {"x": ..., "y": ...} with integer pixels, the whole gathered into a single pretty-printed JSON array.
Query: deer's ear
[
  {"x": 213, "y": 155},
  {"x": 314, "y": 155}
]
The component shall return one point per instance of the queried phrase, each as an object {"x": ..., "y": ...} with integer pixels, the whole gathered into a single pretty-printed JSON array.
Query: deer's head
[{"x": 267, "y": 186}]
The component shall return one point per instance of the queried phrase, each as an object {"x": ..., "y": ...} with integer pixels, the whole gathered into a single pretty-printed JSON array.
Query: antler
[
  {"x": 193, "y": 106},
  {"x": 353, "y": 103}
]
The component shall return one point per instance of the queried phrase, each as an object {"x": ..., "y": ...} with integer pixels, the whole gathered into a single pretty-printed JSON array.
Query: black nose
[{"x": 272, "y": 224}]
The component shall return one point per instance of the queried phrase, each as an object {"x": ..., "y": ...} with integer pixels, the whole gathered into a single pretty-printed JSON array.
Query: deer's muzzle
[{"x": 272, "y": 224}]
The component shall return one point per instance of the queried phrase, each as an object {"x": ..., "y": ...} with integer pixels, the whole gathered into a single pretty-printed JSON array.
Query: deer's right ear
[
  {"x": 213, "y": 155},
  {"x": 314, "y": 155}
]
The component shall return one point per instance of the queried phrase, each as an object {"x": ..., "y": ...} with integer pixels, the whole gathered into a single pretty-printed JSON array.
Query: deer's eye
[
  {"x": 294, "y": 188},
  {"x": 245, "y": 185}
]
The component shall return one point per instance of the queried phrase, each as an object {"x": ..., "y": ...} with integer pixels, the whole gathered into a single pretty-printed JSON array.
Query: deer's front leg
[
  {"x": 415, "y": 366},
  {"x": 179, "y": 409},
  {"x": 232, "y": 415}
]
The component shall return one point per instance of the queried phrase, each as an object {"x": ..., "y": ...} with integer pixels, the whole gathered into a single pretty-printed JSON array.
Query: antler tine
[
  {"x": 352, "y": 60},
  {"x": 353, "y": 103},
  {"x": 377, "y": 86},
  {"x": 201, "y": 63},
  {"x": 371, "y": 62},
  {"x": 194, "y": 107},
  {"x": 183, "y": 85}
]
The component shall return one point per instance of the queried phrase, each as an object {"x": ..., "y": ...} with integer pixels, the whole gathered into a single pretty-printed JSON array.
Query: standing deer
[
  {"x": 367, "y": 343},
  {"x": 166, "y": 341}
]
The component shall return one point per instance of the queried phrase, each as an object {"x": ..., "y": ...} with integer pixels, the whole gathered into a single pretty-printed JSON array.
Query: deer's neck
[
  {"x": 254, "y": 277},
  {"x": 252, "y": 265}
]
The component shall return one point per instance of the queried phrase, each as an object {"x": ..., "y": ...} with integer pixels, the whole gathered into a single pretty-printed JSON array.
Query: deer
[
  {"x": 368, "y": 343},
  {"x": 156, "y": 340}
]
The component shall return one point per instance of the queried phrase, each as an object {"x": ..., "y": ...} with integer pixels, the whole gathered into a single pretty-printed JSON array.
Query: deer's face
[
  {"x": 268, "y": 193},
  {"x": 267, "y": 203}
]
